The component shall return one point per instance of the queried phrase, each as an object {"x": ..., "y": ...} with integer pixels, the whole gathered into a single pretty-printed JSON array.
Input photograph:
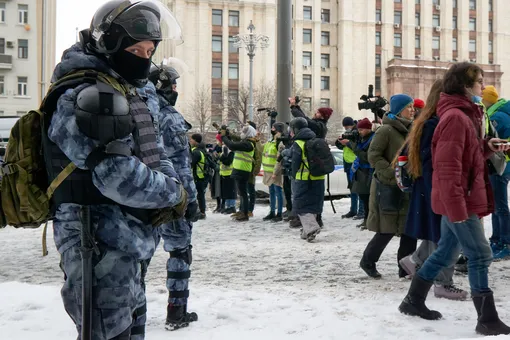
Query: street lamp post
[{"x": 251, "y": 41}]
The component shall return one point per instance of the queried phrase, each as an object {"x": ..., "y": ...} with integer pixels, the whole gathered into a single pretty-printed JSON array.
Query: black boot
[
  {"x": 319, "y": 220},
  {"x": 349, "y": 215},
  {"x": 178, "y": 317},
  {"x": 228, "y": 211},
  {"x": 488, "y": 319},
  {"x": 414, "y": 302},
  {"x": 370, "y": 269},
  {"x": 277, "y": 218},
  {"x": 269, "y": 217}
]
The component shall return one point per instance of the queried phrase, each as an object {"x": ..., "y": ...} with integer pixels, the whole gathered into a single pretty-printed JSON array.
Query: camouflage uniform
[{"x": 122, "y": 239}]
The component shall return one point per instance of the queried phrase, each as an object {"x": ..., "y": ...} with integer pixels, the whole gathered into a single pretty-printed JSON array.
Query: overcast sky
[{"x": 70, "y": 15}]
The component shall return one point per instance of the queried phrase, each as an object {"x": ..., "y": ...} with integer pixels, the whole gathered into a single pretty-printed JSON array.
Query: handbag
[
  {"x": 389, "y": 197},
  {"x": 497, "y": 163}
]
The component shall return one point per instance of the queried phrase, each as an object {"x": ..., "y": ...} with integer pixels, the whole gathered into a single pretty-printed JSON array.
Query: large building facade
[
  {"x": 340, "y": 47},
  {"x": 27, "y": 53}
]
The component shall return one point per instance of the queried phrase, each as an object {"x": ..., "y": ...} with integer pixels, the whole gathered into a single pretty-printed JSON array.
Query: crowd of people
[{"x": 115, "y": 148}]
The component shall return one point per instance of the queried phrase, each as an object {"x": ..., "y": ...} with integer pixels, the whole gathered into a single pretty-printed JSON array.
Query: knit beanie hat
[
  {"x": 326, "y": 112},
  {"x": 248, "y": 131},
  {"x": 365, "y": 124},
  {"x": 490, "y": 94},
  {"x": 419, "y": 104},
  {"x": 279, "y": 127},
  {"x": 348, "y": 121},
  {"x": 197, "y": 137},
  {"x": 399, "y": 102}
]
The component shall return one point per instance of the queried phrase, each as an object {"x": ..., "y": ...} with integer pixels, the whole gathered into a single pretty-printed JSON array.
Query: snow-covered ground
[{"x": 252, "y": 280}]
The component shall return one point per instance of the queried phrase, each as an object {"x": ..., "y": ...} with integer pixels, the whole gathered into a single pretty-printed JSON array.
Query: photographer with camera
[
  {"x": 344, "y": 143},
  {"x": 318, "y": 124}
]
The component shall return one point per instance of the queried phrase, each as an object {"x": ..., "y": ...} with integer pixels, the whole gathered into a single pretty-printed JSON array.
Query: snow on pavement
[{"x": 251, "y": 280}]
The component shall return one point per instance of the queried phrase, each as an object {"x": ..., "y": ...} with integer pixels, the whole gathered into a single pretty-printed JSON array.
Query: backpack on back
[
  {"x": 25, "y": 191},
  {"x": 320, "y": 159}
]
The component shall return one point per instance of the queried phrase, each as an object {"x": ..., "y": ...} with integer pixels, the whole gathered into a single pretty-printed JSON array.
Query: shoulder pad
[
  {"x": 102, "y": 99},
  {"x": 103, "y": 114}
]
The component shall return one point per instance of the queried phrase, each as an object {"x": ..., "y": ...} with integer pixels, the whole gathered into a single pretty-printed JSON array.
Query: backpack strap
[{"x": 60, "y": 178}]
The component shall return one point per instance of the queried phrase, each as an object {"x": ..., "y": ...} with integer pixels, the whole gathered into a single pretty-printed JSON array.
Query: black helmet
[
  {"x": 279, "y": 127},
  {"x": 164, "y": 77},
  {"x": 297, "y": 124},
  {"x": 139, "y": 20}
]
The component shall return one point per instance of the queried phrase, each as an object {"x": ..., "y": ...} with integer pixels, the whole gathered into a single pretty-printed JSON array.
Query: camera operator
[
  {"x": 361, "y": 170},
  {"x": 344, "y": 143},
  {"x": 318, "y": 124}
]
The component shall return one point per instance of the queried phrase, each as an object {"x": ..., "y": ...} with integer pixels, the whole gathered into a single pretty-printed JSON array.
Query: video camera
[
  {"x": 351, "y": 135},
  {"x": 271, "y": 111},
  {"x": 373, "y": 103}
]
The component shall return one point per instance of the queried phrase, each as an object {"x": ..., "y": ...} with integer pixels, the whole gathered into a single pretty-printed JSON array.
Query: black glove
[
  {"x": 169, "y": 214},
  {"x": 192, "y": 212}
]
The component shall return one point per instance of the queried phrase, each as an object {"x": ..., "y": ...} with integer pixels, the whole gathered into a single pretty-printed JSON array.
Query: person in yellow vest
[
  {"x": 271, "y": 178},
  {"x": 228, "y": 184},
  {"x": 198, "y": 152},
  {"x": 257, "y": 165},
  {"x": 307, "y": 190},
  {"x": 356, "y": 209},
  {"x": 243, "y": 165}
]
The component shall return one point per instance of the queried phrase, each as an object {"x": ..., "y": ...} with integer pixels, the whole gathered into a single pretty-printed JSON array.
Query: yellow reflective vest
[
  {"x": 349, "y": 155},
  {"x": 200, "y": 165},
  {"x": 243, "y": 161},
  {"x": 303, "y": 173},
  {"x": 269, "y": 156}
]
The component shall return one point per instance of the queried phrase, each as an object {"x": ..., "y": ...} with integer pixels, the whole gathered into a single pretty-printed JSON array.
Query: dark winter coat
[
  {"x": 196, "y": 156},
  {"x": 460, "y": 182},
  {"x": 318, "y": 126},
  {"x": 214, "y": 181},
  {"x": 422, "y": 223},
  {"x": 245, "y": 145},
  {"x": 228, "y": 185},
  {"x": 307, "y": 196},
  {"x": 362, "y": 178},
  {"x": 387, "y": 141}
]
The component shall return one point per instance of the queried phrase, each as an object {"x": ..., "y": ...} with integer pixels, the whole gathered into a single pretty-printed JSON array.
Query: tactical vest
[
  {"x": 349, "y": 155},
  {"x": 200, "y": 165},
  {"x": 303, "y": 174},
  {"x": 78, "y": 187},
  {"x": 243, "y": 161},
  {"x": 269, "y": 156}
]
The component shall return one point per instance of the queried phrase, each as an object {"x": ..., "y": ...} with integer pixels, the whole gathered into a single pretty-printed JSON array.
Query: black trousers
[
  {"x": 365, "y": 199},
  {"x": 287, "y": 190},
  {"x": 376, "y": 246},
  {"x": 201, "y": 185},
  {"x": 252, "y": 195},
  {"x": 242, "y": 189}
]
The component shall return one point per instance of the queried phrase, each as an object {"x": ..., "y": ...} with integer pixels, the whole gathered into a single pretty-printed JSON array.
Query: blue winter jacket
[{"x": 500, "y": 118}]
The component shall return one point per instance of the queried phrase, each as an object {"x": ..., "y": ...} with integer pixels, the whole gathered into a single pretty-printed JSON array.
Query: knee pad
[{"x": 183, "y": 254}]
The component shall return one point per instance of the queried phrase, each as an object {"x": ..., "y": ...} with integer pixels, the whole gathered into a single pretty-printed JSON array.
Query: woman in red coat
[{"x": 461, "y": 194}]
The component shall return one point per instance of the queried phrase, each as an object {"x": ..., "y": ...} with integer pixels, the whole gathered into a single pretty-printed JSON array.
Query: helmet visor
[{"x": 149, "y": 20}]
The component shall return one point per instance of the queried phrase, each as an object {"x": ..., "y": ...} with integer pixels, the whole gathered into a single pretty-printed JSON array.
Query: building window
[
  {"x": 454, "y": 44},
  {"x": 436, "y": 20},
  {"x": 325, "y": 60},
  {"x": 454, "y": 3},
  {"x": 22, "y": 86},
  {"x": 378, "y": 83},
  {"x": 435, "y": 2},
  {"x": 307, "y": 58},
  {"x": 417, "y": 41},
  {"x": 325, "y": 16},
  {"x": 23, "y": 14},
  {"x": 233, "y": 18},
  {"x": 232, "y": 48},
  {"x": 472, "y": 4},
  {"x": 378, "y": 38},
  {"x": 2, "y": 11},
  {"x": 2, "y": 46},
  {"x": 397, "y": 40},
  {"x": 307, "y": 81},
  {"x": 472, "y": 45},
  {"x": 397, "y": 18},
  {"x": 378, "y": 16},
  {"x": 2, "y": 85},
  {"x": 417, "y": 2},
  {"x": 378, "y": 60},
  {"x": 325, "y": 38},
  {"x": 217, "y": 43},
  {"x": 216, "y": 96},
  {"x": 490, "y": 5},
  {"x": 490, "y": 47},
  {"x": 435, "y": 43},
  {"x": 216, "y": 70},
  {"x": 307, "y": 36},
  {"x": 324, "y": 102},
  {"x": 417, "y": 21},
  {"x": 490, "y": 25},
  {"x": 217, "y": 17},
  {"x": 398, "y": 1},
  {"x": 307, "y": 12},
  {"x": 324, "y": 83},
  {"x": 233, "y": 71},
  {"x": 22, "y": 48},
  {"x": 472, "y": 24},
  {"x": 454, "y": 22},
  {"x": 307, "y": 103}
]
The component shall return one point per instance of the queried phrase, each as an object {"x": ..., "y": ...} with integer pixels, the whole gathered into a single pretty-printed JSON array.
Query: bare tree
[{"x": 199, "y": 107}]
